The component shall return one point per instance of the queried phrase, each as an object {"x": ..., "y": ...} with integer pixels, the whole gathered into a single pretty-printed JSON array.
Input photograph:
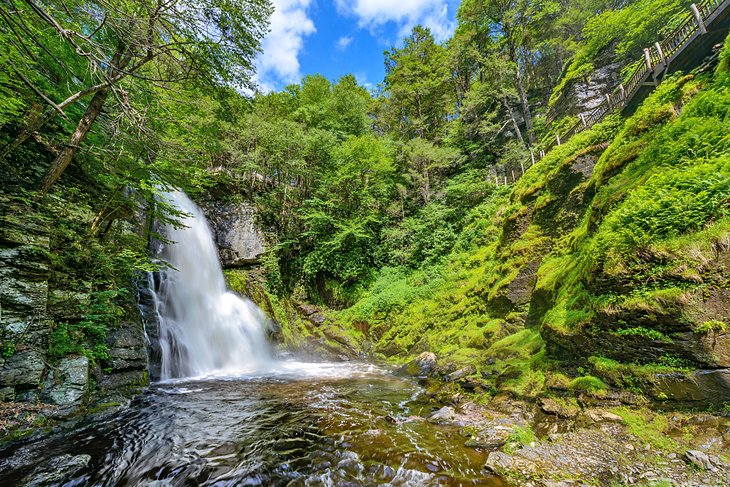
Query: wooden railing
[{"x": 656, "y": 60}]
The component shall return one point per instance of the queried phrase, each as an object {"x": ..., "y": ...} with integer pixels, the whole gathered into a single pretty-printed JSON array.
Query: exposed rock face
[
  {"x": 57, "y": 471},
  {"x": 128, "y": 358},
  {"x": 585, "y": 94},
  {"x": 68, "y": 383},
  {"x": 23, "y": 370},
  {"x": 24, "y": 273},
  {"x": 127, "y": 349},
  {"x": 700, "y": 460},
  {"x": 698, "y": 388},
  {"x": 684, "y": 333},
  {"x": 240, "y": 242},
  {"x": 32, "y": 302}
]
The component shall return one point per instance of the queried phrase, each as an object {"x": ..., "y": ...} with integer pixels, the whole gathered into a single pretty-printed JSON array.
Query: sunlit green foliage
[{"x": 620, "y": 34}]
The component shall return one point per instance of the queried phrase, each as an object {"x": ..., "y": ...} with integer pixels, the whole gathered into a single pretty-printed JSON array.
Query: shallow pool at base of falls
[{"x": 298, "y": 424}]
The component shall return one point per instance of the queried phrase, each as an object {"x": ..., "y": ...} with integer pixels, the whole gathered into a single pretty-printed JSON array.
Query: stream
[{"x": 299, "y": 424}]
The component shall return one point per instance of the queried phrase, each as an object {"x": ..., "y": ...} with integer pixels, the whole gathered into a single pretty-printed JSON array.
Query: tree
[
  {"x": 514, "y": 24},
  {"x": 340, "y": 108},
  {"x": 426, "y": 164},
  {"x": 344, "y": 218},
  {"x": 152, "y": 41},
  {"x": 419, "y": 87},
  {"x": 485, "y": 92}
]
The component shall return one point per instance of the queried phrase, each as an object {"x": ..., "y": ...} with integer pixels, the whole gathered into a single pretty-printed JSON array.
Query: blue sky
[{"x": 337, "y": 37}]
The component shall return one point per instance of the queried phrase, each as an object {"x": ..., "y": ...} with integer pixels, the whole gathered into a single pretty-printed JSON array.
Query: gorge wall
[{"x": 45, "y": 316}]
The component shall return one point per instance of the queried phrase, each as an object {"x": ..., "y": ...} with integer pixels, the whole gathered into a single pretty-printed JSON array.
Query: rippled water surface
[{"x": 301, "y": 424}]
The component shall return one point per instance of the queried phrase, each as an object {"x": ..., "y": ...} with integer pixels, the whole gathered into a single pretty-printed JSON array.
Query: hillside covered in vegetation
[{"x": 394, "y": 230}]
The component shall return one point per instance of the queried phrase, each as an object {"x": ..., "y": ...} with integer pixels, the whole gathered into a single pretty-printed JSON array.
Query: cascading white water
[{"x": 204, "y": 329}]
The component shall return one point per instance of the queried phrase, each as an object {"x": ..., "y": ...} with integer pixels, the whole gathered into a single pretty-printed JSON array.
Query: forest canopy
[{"x": 133, "y": 95}]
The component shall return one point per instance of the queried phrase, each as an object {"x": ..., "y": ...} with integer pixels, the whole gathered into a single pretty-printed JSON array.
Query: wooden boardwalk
[{"x": 706, "y": 25}]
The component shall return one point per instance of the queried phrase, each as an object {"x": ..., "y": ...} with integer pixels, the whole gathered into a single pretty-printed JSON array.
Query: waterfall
[{"x": 204, "y": 329}]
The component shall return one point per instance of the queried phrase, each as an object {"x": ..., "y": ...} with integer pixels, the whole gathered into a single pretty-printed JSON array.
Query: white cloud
[
  {"x": 343, "y": 42},
  {"x": 372, "y": 14},
  {"x": 362, "y": 80},
  {"x": 279, "y": 63}
]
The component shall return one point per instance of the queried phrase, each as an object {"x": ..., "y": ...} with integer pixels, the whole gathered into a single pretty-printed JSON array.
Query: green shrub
[{"x": 712, "y": 326}]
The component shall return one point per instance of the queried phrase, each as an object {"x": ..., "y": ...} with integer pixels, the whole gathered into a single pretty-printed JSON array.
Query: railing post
[
  {"x": 583, "y": 119},
  {"x": 523, "y": 168},
  {"x": 698, "y": 18},
  {"x": 505, "y": 180},
  {"x": 496, "y": 180},
  {"x": 608, "y": 100},
  {"x": 557, "y": 138},
  {"x": 513, "y": 176},
  {"x": 647, "y": 59},
  {"x": 622, "y": 90},
  {"x": 532, "y": 156},
  {"x": 661, "y": 53},
  {"x": 542, "y": 154}
]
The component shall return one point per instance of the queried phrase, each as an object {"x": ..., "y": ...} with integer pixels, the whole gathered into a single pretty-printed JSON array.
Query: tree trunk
[
  {"x": 525, "y": 106},
  {"x": 82, "y": 129},
  {"x": 508, "y": 108},
  {"x": 426, "y": 187},
  {"x": 121, "y": 59}
]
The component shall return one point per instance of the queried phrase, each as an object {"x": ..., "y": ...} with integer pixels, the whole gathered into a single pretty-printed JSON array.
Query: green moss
[
  {"x": 723, "y": 66},
  {"x": 648, "y": 221},
  {"x": 588, "y": 383},
  {"x": 97, "y": 408},
  {"x": 638, "y": 378},
  {"x": 648, "y": 427},
  {"x": 640, "y": 331},
  {"x": 658, "y": 207},
  {"x": 519, "y": 436}
]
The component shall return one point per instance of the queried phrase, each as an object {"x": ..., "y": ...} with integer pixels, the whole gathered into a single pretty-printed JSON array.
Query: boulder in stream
[
  {"x": 422, "y": 366},
  {"x": 443, "y": 415},
  {"x": 57, "y": 470}
]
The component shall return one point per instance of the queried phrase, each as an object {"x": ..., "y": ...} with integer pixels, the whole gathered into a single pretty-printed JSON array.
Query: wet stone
[
  {"x": 57, "y": 470},
  {"x": 422, "y": 366},
  {"x": 443, "y": 415},
  {"x": 490, "y": 437},
  {"x": 599, "y": 416}
]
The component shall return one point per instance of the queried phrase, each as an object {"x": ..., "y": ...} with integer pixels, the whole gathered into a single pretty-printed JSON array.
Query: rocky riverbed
[{"x": 358, "y": 425}]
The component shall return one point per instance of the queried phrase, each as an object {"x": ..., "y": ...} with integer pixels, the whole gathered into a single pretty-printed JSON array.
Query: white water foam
[{"x": 205, "y": 330}]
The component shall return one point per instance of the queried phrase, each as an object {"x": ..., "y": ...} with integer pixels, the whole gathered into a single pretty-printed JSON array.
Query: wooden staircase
[{"x": 705, "y": 25}]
